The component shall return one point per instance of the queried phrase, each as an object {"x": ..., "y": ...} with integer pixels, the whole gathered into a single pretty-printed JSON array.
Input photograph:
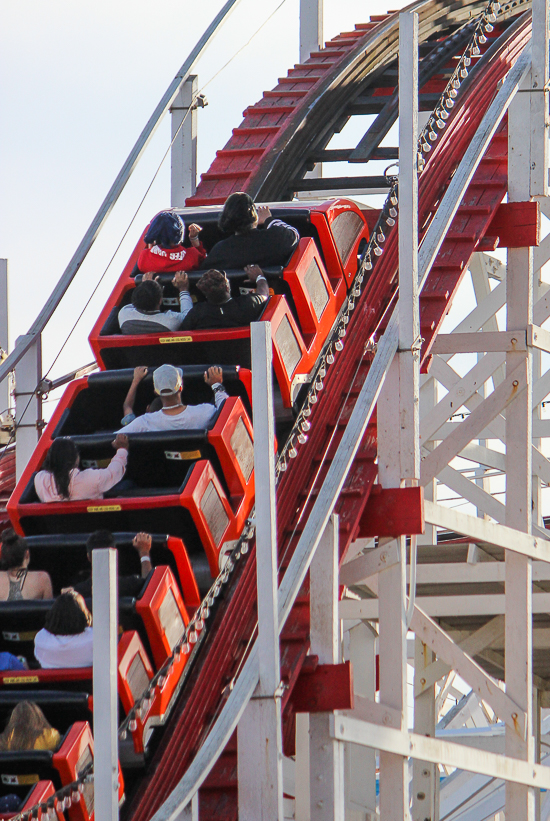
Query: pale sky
[{"x": 79, "y": 81}]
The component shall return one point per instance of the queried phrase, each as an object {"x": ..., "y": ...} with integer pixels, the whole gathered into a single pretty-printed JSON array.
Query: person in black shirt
[
  {"x": 127, "y": 585},
  {"x": 257, "y": 237},
  {"x": 220, "y": 310}
]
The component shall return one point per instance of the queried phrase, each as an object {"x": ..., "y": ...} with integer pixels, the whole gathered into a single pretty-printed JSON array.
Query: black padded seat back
[
  {"x": 20, "y": 621},
  {"x": 64, "y": 556},
  {"x": 99, "y": 406},
  {"x": 20, "y": 768},
  {"x": 29, "y": 495},
  {"x": 173, "y": 519},
  {"x": 223, "y": 351},
  {"x": 141, "y": 326},
  {"x": 61, "y": 708},
  {"x": 158, "y": 459}
]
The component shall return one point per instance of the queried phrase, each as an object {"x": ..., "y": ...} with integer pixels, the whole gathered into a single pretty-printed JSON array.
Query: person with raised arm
[
  {"x": 174, "y": 415},
  {"x": 61, "y": 479},
  {"x": 257, "y": 237}
]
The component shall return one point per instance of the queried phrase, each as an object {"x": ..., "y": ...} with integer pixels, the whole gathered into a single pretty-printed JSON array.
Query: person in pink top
[{"x": 63, "y": 481}]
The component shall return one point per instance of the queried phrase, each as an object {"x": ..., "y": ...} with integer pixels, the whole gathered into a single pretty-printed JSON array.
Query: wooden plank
[
  {"x": 393, "y": 512},
  {"x": 516, "y": 224},
  {"x": 328, "y": 688},
  {"x": 439, "y": 752}
]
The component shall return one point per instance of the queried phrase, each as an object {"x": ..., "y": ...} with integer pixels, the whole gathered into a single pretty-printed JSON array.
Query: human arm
[
  {"x": 286, "y": 237},
  {"x": 128, "y": 407},
  {"x": 142, "y": 543},
  {"x": 255, "y": 275},
  {"x": 45, "y": 585},
  {"x": 193, "y": 233},
  {"x": 213, "y": 377},
  {"x": 106, "y": 478}
]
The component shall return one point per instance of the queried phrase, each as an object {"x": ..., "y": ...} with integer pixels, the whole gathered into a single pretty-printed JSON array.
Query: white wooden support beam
[
  {"x": 105, "y": 608},
  {"x": 472, "y": 645},
  {"x": 440, "y": 752},
  {"x": 326, "y": 755},
  {"x": 260, "y": 759},
  {"x": 184, "y": 145},
  {"x": 483, "y": 415},
  {"x": 481, "y": 530},
  {"x": 425, "y": 781},
  {"x": 28, "y": 403},
  {"x": 539, "y": 101},
  {"x": 538, "y": 337},
  {"x": 487, "y": 688},
  {"x": 454, "y": 343},
  {"x": 191, "y": 811},
  {"x": 4, "y": 333},
  {"x": 440, "y": 607},
  {"x": 311, "y": 27},
  {"x": 398, "y": 444},
  {"x": 374, "y": 561},
  {"x": 360, "y": 762},
  {"x": 520, "y": 801}
]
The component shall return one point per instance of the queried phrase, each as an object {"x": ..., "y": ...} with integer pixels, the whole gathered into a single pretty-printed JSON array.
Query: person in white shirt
[
  {"x": 145, "y": 309},
  {"x": 174, "y": 415},
  {"x": 66, "y": 640}
]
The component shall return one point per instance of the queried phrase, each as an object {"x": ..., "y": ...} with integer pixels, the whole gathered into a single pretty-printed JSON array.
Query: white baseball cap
[{"x": 167, "y": 380}]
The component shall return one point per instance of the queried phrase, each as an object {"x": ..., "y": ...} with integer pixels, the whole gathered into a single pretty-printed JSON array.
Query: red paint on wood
[
  {"x": 516, "y": 224},
  {"x": 329, "y": 688},
  {"x": 393, "y": 512}
]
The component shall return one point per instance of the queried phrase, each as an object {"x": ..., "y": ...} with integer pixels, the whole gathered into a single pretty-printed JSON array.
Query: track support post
[
  {"x": 105, "y": 607},
  {"x": 260, "y": 761},
  {"x": 4, "y": 329},
  {"x": 520, "y": 799},
  {"x": 28, "y": 403},
  {"x": 184, "y": 148},
  {"x": 326, "y": 755},
  {"x": 398, "y": 442}
]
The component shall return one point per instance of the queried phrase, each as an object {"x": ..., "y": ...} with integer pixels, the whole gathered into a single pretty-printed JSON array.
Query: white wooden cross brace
[
  {"x": 435, "y": 461},
  {"x": 437, "y": 751},
  {"x": 472, "y": 645},
  {"x": 484, "y": 685}
]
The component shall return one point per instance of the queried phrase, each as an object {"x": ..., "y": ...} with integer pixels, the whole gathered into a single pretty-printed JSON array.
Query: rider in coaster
[
  {"x": 147, "y": 303},
  {"x": 165, "y": 251},
  {"x": 174, "y": 415},
  {"x": 220, "y": 310},
  {"x": 257, "y": 237}
]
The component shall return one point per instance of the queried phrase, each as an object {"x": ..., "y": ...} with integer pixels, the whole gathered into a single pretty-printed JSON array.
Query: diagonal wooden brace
[{"x": 486, "y": 687}]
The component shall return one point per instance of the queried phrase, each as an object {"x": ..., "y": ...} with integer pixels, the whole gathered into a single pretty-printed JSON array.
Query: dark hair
[
  {"x": 239, "y": 213},
  {"x": 61, "y": 459},
  {"x": 14, "y": 548},
  {"x": 154, "y": 405},
  {"x": 213, "y": 284},
  {"x": 25, "y": 725},
  {"x": 167, "y": 230},
  {"x": 147, "y": 296},
  {"x": 100, "y": 538},
  {"x": 66, "y": 617}
]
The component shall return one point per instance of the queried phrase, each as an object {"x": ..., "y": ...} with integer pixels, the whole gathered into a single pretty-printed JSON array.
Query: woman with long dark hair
[
  {"x": 61, "y": 480},
  {"x": 29, "y": 729},
  {"x": 16, "y": 580},
  {"x": 66, "y": 640},
  {"x": 257, "y": 238}
]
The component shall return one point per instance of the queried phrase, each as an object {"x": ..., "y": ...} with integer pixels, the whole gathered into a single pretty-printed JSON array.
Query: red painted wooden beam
[
  {"x": 329, "y": 687},
  {"x": 516, "y": 224},
  {"x": 393, "y": 512}
]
